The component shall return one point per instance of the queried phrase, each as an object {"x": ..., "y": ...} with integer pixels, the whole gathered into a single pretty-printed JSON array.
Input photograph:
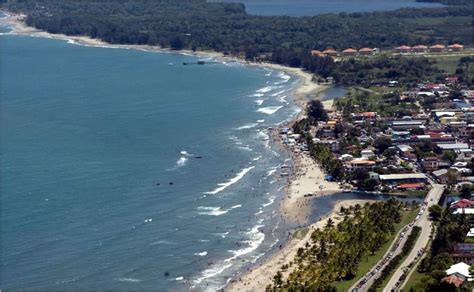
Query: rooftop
[{"x": 401, "y": 176}]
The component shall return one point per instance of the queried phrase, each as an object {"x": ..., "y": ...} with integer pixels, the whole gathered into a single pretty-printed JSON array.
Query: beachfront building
[
  {"x": 403, "y": 49},
  {"x": 349, "y": 52},
  {"x": 362, "y": 164},
  {"x": 316, "y": 53},
  {"x": 437, "y": 48},
  {"x": 420, "y": 49},
  {"x": 330, "y": 52},
  {"x": 366, "y": 51},
  {"x": 456, "y": 47},
  {"x": 403, "y": 178}
]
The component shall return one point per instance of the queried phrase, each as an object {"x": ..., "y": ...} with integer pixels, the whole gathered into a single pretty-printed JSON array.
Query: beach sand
[{"x": 258, "y": 278}]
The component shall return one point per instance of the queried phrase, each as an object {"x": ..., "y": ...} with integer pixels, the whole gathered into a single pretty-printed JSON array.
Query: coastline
[
  {"x": 306, "y": 178},
  {"x": 258, "y": 278}
]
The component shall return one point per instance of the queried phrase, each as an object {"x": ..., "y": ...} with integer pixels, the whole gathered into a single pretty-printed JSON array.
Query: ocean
[
  {"x": 124, "y": 169},
  {"x": 121, "y": 170},
  {"x": 315, "y": 7}
]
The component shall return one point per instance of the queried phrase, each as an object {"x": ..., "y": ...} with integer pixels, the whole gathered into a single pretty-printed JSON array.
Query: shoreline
[
  {"x": 306, "y": 175},
  {"x": 258, "y": 277}
]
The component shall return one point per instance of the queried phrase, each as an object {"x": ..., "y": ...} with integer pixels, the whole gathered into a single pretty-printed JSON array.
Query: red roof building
[
  {"x": 437, "y": 48},
  {"x": 349, "y": 52},
  {"x": 366, "y": 51},
  {"x": 316, "y": 53},
  {"x": 453, "y": 279},
  {"x": 411, "y": 186},
  {"x": 403, "y": 49},
  {"x": 461, "y": 204},
  {"x": 456, "y": 47},
  {"x": 330, "y": 52},
  {"x": 420, "y": 48}
]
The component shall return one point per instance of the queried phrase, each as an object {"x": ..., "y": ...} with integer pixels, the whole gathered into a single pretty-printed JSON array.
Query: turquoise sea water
[
  {"x": 315, "y": 7},
  {"x": 92, "y": 139}
]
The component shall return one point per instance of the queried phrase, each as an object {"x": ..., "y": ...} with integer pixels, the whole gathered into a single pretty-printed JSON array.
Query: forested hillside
[{"x": 226, "y": 26}]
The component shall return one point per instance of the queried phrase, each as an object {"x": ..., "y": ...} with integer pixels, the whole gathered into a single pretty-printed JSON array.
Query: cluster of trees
[
  {"x": 389, "y": 104},
  {"x": 450, "y": 229},
  {"x": 321, "y": 153},
  {"x": 393, "y": 264},
  {"x": 336, "y": 251},
  {"x": 382, "y": 69},
  {"x": 226, "y": 27}
]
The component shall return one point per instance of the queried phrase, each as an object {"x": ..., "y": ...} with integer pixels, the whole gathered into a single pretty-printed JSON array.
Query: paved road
[
  {"x": 432, "y": 198},
  {"x": 394, "y": 249}
]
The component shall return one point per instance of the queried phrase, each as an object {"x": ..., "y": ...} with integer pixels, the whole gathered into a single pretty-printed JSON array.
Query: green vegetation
[
  {"x": 381, "y": 69},
  {"x": 336, "y": 251},
  {"x": 226, "y": 27},
  {"x": 388, "y": 271},
  {"x": 370, "y": 261},
  {"x": 451, "y": 229},
  {"x": 388, "y": 104}
]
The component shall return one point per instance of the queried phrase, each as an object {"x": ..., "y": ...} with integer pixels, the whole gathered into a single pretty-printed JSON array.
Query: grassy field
[
  {"x": 367, "y": 263},
  {"x": 413, "y": 280}
]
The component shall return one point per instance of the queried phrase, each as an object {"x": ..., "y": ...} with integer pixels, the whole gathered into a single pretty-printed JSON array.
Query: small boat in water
[{"x": 170, "y": 64}]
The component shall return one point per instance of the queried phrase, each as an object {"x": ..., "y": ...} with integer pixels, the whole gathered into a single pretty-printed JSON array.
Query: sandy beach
[
  {"x": 307, "y": 177},
  {"x": 258, "y": 278}
]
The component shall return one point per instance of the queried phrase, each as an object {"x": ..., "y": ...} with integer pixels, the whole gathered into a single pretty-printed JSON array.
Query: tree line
[
  {"x": 336, "y": 251},
  {"x": 226, "y": 27}
]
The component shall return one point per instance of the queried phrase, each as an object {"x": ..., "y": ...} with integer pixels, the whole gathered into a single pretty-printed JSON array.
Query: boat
[{"x": 170, "y": 64}]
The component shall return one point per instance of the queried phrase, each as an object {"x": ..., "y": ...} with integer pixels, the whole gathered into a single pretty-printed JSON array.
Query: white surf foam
[
  {"x": 265, "y": 89},
  {"x": 223, "y": 186},
  {"x": 270, "y": 201},
  {"x": 278, "y": 93},
  {"x": 131, "y": 280},
  {"x": 201, "y": 254},
  {"x": 269, "y": 110},
  {"x": 272, "y": 171},
  {"x": 256, "y": 237},
  {"x": 247, "y": 126},
  {"x": 212, "y": 272},
  {"x": 183, "y": 159},
  {"x": 259, "y": 101},
  {"x": 215, "y": 211}
]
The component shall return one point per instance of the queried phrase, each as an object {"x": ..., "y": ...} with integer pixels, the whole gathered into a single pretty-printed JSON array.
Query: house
[
  {"x": 411, "y": 186},
  {"x": 460, "y": 270},
  {"x": 367, "y": 153},
  {"x": 403, "y": 49},
  {"x": 366, "y": 51},
  {"x": 349, "y": 52},
  {"x": 361, "y": 164},
  {"x": 441, "y": 175},
  {"x": 456, "y": 47},
  {"x": 330, "y": 52},
  {"x": 406, "y": 125},
  {"x": 403, "y": 178},
  {"x": 453, "y": 146},
  {"x": 430, "y": 163},
  {"x": 462, "y": 204},
  {"x": 453, "y": 280},
  {"x": 420, "y": 49},
  {"x": 437, "y": 48},
  {"x": 316, "y": 53}
]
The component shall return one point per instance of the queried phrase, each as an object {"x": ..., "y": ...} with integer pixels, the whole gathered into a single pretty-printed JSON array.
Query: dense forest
[{"x": 226, "y": 27}]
